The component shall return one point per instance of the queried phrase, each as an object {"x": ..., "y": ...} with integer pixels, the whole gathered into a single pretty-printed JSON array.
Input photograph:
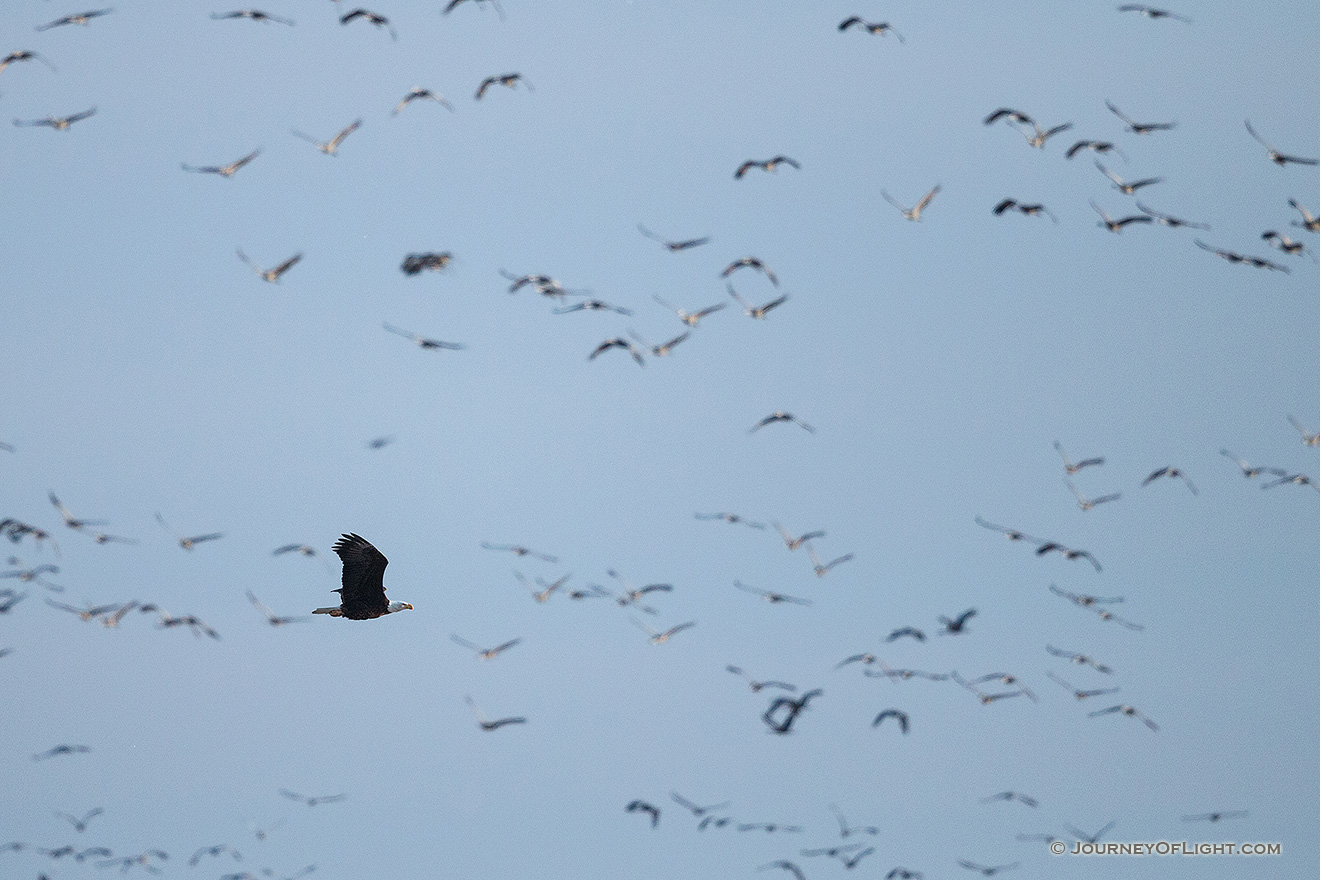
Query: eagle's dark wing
[{"x": 363, "y": 590}]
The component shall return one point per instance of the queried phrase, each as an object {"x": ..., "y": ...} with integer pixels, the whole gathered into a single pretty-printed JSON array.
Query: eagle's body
[{"x": 362, "y": 595}]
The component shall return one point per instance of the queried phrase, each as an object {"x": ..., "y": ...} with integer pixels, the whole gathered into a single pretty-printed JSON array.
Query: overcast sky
[{"x": 149, "y": 370}]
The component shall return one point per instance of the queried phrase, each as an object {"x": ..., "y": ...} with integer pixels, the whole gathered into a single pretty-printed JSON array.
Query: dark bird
[
  {"x": 379, "y": 443},
  {"x": 986, "y": 870},
  {"x": 784, "y": 864},
  {"x": 904, "y": 874},
  {"x": 80, "y": 825},
  {"x": 780, "y": 417},
  {"x": 1169, "y": 220},
  {"x": 271, "y": 617},
  {"x": 1089, "y": 838},
  {"x": 1215, "y": 817},
  {"x": 752, "y": 311},
  {"x": 871, "y": 27},
  {"x": 1083, "y": 600},
  {"x": 846, "y": 830},
  {"x": 187, "y": 543},
  {"x": 10, "y": 598},
  {"x": 312, "y": 801},
  {"x": 1095, "y": 147},
  {"x": 252, "y": 14},
  {"x": 362, "y": 595},
  {"x": 331, "y": 147},
  {"x": 424, "y": 342},
  {"x": 1276, "y": 157},
  {"x": 374, "y": 18},
  {"x": 1152, "y": 13},
  {"x": 24, "y": 55},
  {"x": 1088, "y": 503},
  {"x": 592, "y": 305},
  {"x": 1011, "y": 796},
  {"x": 508, "y": 80},
  {"x": 824, "y": 568},
  {"x": 792, "y": 708},
  {"x": 1308, "y": 222},
  {"x": 519, "y": 550},
  {"x": 750, "y": 263},
  {"x": 900, "y": 717},
  {"x": 757, "y": 686},
  {"x": 59, "y": 123},
  {"x": 1295, "y": 479},
  {"x": 82, "y": 18},
  {"x": 1117, "y": 225},
  {"x": 913, "y": 213},
  {"x": 1023, "y": 208},
  {"x": 643, "y": 807},
  {"x": 1071, "y": 467},
  {"x": 1068, "y": 553},
  {"x": 664, "y": 348},
  {"x": 693, "y": 808},
  {"x": 1171, "y": 473},
  {"x": 486, "y": 723},
  {"x": 141, "y": 859},
  {"x": 906, "y": 631},
  {"x": 485, "y": 653},
  {"x": 1250, "y": 471},
  {"x": 1287, "y": 245},
  {"x": 769, "y": 827},
  {"x": 217, "y": 850},
  {"x": 61, "y": 750},
  {"x": 957, "y": 624},
  {"x": 1009, "y": 115},
  {"x": 1106, "y": 614},
  {"x": 415, "y": 264},
  {"x": 765, "y": 165},
  {"x": 832, "y": 851},
  {"x": 270, "y": 275},
  {"x": 1081, "y": 659},
  {"x": 771, "y": 597},
  {"x": 542, "y": 284},
  {"x": 1126, "y": 187},
  {"x": 223, "y": 170},
  {"x": 621, "y": 343},
  {"x": 1139, "y": 127},
  {"x": 689, "y": 318},
  {"x": 417, "y": 93},
  {"x": 1234, "y": 257},
  {"x": 1011, "y": 534},
  {"x": 674, "y": 246}
]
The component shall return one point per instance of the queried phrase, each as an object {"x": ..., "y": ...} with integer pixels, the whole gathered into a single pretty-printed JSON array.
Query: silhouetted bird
[{"x": 362, "y": 596}]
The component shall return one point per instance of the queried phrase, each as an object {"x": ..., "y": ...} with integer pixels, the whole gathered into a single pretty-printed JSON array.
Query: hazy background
[{"x": 149, "y": 370}]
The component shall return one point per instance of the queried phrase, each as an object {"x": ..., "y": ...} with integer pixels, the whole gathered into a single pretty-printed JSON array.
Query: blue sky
[{"x": 151, "y": 371}]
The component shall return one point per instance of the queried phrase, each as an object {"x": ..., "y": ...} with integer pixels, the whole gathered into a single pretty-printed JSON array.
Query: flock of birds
[{"x": 362, "y": 590}]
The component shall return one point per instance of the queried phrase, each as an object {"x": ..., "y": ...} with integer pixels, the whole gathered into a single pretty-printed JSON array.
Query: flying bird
[
  {"x": 664, "y": 348},
  {"x": 791, "y": 542},
  {"x": 757, "y": 686},
  {"x": 659, "y": 638},
  {"x": 1234, "y": 257},
  {"x": 488, "y": 724},
  {"x": 783, "y": 864},
  {"x": 643, "y": 807},
  {"x": 792, "y": 708},
  {"x": 906, "y": 631},
  {"x": 1081, "y": 694},
  {"x": 871, "y": 27},
  {"x": 1113, "y": 225},
  {"x": 592, "y": 305},
  {"x": 956, "y": 625},
  {"x": 24, "y": 55},
  {"x": 621, "y": 343},
  {"x": 1080, "y": 659},
  {"x": 1308, "y": 222},
  {"x": 485, "y": 653},
  {"x": 1011, "y": 796},
  {"x": 424, "y": 342},
  {"x": 1171, "y": 473},
  {"x": 1250, "y": 471},
  {"x": 80, "y": 825},
  {"x": 519, "y": 550},
  {"x": 331, "y": 147},
  {"x": 1215, "y": 817},
  {"x": 1008, "y": 115},
  {"x": 312, "y": 801},
  {"x": 1153, "y": 13},
  {"x": 1276, "y": 157},
  {"x": 752, "y": 311},
  {"x": 1089, "y": 838},
  {"x": 1023, "y": 208},
  {"x": 1126, "y": 710},
  {"x": 1088, "y": 503},
  {"x": 689, "y": 318},
  {"x": 1169, "y": 220},
  {"x": 1126, "y": 187},
  {"x": 986, "y": 870},
  {"x": 251, "y": 14},
  {"x": 823, "y": 569},
  {"x": 900, "y": 717},
  {"x": 1071, "y": 467},
  {"x": 374, "y": 18},
  {"x": 780, "y": 417},
  {"x": 415, "y": 264},
  {"x": 913, "y": 213},
  {"x": 271, "y": 617},
  {"x": 765, "y": 165},
  {"x": 61, "y": 750},
  {"x": 771, "y": 597},
  {"x": 496, "y": 3},
  {"x": 1287, "y": 245},
  {"x": 846, "y": 830},
  {"x": 1039, "y": 136},
  {"x": 362, "y": 596},
  {"x": 693, "y": 808},
  {"x": 1139, "y": 127},
  {"x": 223, "y": 170},
  {"x": 82, "y": 18},
  {"x": 70, "y": 520},
  {"x": 674, "y": 246},
  {"x": 59, "y": 123},
  {"x": 750, "y": 263},
  {"x": 508, "y": 80},
  {"x": 217, "y": 850},
  {"x": 188, "y": 542},
  {"x": 270, "y": 275},
  {"x": 417, "y": 93},
  {"x": 1095, "y": 147},
  {"x": 1011, "y": 534},
  {"x": 1083, "y": 600}
]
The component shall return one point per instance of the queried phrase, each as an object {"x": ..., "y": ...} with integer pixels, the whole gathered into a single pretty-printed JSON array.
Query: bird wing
[
  {"x": 286, "y": 265},
  {"x": 925, "y": 200},
  {"x": 348, "y": 129},
  {"x": 1251, "y": 131},
  {"x": 772, "y": 304},
  {"x": 364, "y": 571},
  {"x": 1120, "y": 114}
]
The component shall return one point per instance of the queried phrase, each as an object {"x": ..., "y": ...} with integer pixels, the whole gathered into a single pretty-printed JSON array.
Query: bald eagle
[{"x": 362, "y": 596}]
